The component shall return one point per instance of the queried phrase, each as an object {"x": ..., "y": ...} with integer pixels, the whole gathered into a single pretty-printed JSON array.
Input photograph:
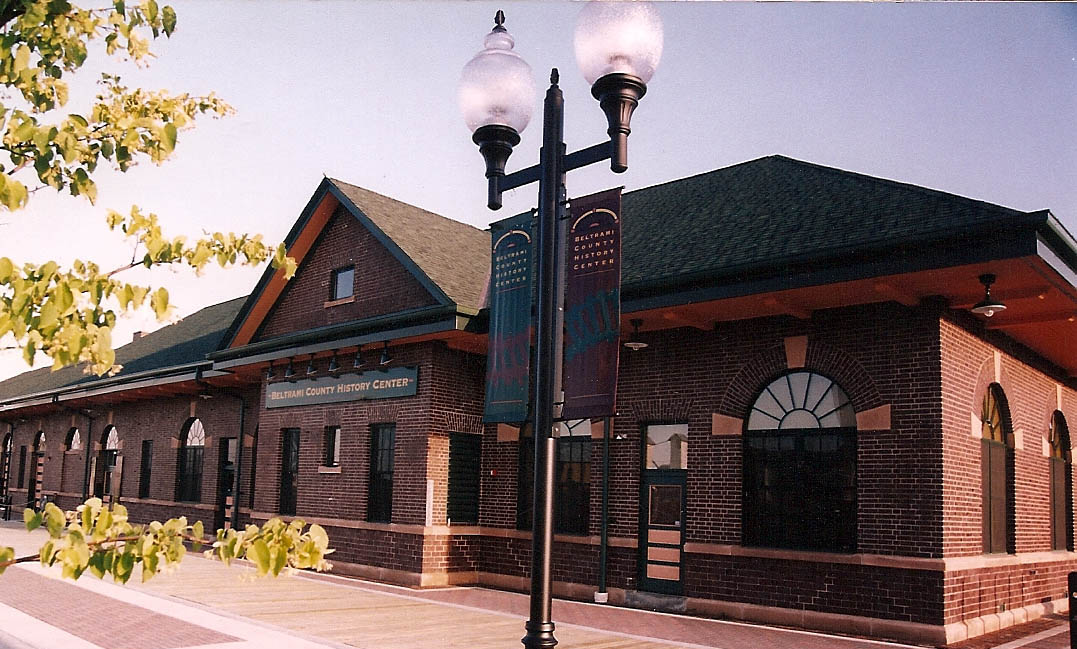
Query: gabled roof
[
  {"x": 450, "y": 259},
  {"x": 776, "y": 210},
  {"x": 183, "y": 343},
  {"x": 456, "y": 256}
]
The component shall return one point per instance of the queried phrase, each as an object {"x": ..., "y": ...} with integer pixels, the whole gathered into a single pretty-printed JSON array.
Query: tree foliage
[
  {"x": 68, "y": 314},
  {"x": 100, "y": 539}
]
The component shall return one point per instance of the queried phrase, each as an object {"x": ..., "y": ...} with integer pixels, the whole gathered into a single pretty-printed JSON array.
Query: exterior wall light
[
  {"x": 634, "y": 343},
  {"x": 333, "y": 364},
  {"x": 988, "y": 306},
  {"x": 270, "y": 374},
  {"x": 385, "y": 357},
  {"x": 358, "y": 362},
  {"x": 310, "y": 366},
  {"x": 289, "y": 371}
]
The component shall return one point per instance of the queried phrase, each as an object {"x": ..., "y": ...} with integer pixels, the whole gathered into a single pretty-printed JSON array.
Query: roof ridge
[
  {"x": 705, "y": 173},
  {"x": 400, "y": 202}
]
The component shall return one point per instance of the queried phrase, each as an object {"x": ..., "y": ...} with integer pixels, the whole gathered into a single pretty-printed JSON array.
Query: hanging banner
[
  {"x": 509, "y": 355},
  {"x": 592, "y": 306}
]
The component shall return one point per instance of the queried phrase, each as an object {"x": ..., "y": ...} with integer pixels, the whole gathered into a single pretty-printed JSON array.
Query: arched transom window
[
  {"x": 112, "y": 439},
  {"x": 196, "y": 434},
  {"x": 39, "y": 442},
  {"x": 802, "y": 400},
  {"x": 996, "y": 469},
  {"x": 74, "y": 440},
  {"x": 800, "y": 466},
  {"x": 1061, "y": 473}
]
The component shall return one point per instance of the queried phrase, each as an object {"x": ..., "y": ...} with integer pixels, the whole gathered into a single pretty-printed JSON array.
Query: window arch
[
  {"x": 189, "y": 473},
  {"x": 39, "y": 442},
  {"x": 111, "y": 439},
  {"x": 74, "y": 440},
  {"x": 1061, "y": 473},
  {"x": 800, "y": 466},
  {"x": 997, "y": 471}
]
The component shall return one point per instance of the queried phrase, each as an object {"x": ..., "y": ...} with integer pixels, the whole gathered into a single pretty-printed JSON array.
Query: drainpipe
[
  {"x": 602, "y": 596},
  {"x": 238, "y": 480}
]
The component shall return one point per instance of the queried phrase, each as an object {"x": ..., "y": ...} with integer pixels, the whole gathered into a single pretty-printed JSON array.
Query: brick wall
[{"x": 382, "y": 284}]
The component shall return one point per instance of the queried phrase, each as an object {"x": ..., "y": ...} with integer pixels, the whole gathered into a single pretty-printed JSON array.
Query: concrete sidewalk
[{"x": 206, "y": 604}]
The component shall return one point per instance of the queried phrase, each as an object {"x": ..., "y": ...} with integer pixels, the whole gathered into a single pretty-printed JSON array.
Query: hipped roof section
[
  {"x": 184, "y": 343},
  {"x": 450, "y": 259}
]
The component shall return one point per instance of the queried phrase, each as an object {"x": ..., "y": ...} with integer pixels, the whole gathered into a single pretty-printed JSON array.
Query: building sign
[
  {"x": 509, "y": 356},
  {"x": 377, "y": 384},
  {"x": 592, "y": 306}
]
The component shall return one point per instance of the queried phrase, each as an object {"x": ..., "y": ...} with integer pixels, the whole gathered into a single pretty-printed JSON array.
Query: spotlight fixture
[
  {"x": 385, "y": 357},
  {"x": 358, "y": 362},
  {"x": 310, "y": 366},
  {"x": 634, "y": 343},
  {"x": 270, "y": 374},
  {"x": 988, "y": 306},
  {"x": 333, "y": 364},
  {"x": 289, "y": 371}
]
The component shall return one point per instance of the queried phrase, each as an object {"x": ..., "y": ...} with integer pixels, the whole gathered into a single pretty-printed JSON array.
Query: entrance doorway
[
  {"x": 289, "y": 470},
  {"x": 37, "y": 471},
  {"x": 226, "y": 482},
  {"x": 663, "y": 508}
]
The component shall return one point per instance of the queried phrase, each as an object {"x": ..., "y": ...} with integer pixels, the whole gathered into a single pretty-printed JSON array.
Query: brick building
[{"x": 813, "y": 427}]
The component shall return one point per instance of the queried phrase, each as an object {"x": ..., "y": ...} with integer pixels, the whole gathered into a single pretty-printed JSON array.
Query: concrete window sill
[{"x": 329, "y": 469}]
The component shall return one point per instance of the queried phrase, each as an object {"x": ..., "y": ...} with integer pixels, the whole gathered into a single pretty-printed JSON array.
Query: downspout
[
  {"x": 238, "y": 480},
  {"x": 602, "y": 596}
]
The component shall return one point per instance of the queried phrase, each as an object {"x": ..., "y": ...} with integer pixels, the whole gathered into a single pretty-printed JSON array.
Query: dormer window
[{"x": 342, "y": 283}]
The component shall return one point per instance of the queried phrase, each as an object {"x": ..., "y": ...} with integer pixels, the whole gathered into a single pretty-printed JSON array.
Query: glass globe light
[
  {"x": 496, "y": 86},
  {"x": 618, "y": 37}
]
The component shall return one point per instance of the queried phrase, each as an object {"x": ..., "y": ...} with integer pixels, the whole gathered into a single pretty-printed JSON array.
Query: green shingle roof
[
  {"x": 454, "y": 255},
  {"x": 187, "y": 341},
  {"x": 775, "y": 209}
]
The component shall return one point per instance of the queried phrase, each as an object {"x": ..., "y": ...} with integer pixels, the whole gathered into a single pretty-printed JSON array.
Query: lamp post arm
[{"x": 575, "y": 160}]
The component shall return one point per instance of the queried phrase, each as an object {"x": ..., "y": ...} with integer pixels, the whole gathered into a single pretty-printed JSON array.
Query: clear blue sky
[{"x": 978, "y": 99}]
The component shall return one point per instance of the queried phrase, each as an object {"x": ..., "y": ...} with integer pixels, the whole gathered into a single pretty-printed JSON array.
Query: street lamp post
[{"x": 618, "y": 45}]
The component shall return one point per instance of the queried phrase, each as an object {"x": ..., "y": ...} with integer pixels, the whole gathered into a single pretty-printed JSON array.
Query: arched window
[
  {"x": 996, "y": 467},
  {"x": 39, "y": 442},
  {"x": 105, "y": 466},
  {"x": 1061, "y": 484},
  {"x": 189, "y": 475},
  {"x": 800, "y": 466},
  {"x": 73, "y": 441}
]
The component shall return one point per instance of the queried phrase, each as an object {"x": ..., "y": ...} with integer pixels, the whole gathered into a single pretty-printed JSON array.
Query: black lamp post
[{"x": 618, "y": 45}]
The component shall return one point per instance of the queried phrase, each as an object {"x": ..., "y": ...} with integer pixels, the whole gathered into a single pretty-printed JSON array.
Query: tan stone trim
[
  {"x": 374, "y": 573},
  {"x": 725, "y": 425},
  {"x": 167, "y": 503},
  {"x": 796, "y": 351},
  {"x": 354, "y": 524},
  {"x": 998, "y": 367},
  {"x": 344, "y": 300},
  {"x": 194, "y": 403},
  {"x": 880, "y": 560},
  {"x": 507, "y": 433},
  {"x": 597, "y": 429},
  {"x": 564, "y": 589},
  {"x": 874, "y": 419},
  {"x": 992, "y": 622},
  {"x": 507, "y": 533},
  {"x": 974, "y": 562},
  {"x": 1045, "y": 447},
  {"x": 108, "y": 421},
  {"x": 1058, "y": 396},
  {"x": 977, "y": 429},
  {"x": 1019, "y": 439},
  {"x": 830, "y": 622},
  {"x": 248, "y": 441},
  {"x": 329, "y": 469}
]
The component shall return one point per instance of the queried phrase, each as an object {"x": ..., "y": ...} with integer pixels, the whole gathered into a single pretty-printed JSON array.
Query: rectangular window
[
  {"x": 289, "y": 470},
  {"x": 332, "y": 446},
  {"x": 800, "y": 489},
  {"x": 190, "y": 474},
  {"x": 342, "y": 283},
  {"x": 573, "y": 500},
  {"x": 464, "y": 465},
  {"x": 22, "y": 466},
  {"x": 144, "y": 468},
  {"x": 380, "y": 504},
  {"x": 573, "y": 478}
]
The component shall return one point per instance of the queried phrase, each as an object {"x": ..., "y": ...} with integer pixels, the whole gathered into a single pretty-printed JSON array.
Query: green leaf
[
  {"x": 259, "y": 554},
  {"x": 168, "y": 137},
  {"x": 168, "y": 20},
  {"x": 22, "y": 58},
  {"x": 31, "y": 518}
]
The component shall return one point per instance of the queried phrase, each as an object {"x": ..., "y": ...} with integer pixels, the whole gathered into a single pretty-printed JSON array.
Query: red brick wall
[{"x": 382, "y": 284}]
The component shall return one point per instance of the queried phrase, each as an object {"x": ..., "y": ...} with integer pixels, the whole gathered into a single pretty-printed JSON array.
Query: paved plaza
[{"x": 206, "y": 605}]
